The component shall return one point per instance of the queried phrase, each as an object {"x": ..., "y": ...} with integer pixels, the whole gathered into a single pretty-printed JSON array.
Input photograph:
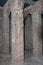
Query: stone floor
[{"x": 6, "y": 60}]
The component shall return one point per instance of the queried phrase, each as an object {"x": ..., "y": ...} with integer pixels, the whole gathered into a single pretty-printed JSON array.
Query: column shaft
[
  {"x": 5, "y": 45},
  {"x": 17, "y": 32},
  {"x": 37, "y": 32}
]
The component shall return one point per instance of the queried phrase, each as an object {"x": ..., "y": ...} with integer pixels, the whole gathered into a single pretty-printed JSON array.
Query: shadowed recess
[
  {"x": 35, "y": 0},
  {"x": 26, "y": 5}
]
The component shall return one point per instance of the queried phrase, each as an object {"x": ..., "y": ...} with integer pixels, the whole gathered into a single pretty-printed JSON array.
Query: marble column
[
  {"x": 17, "y": 31},
  {"x": 37, "y": 33},
  {"x": 5, "y": 45}
]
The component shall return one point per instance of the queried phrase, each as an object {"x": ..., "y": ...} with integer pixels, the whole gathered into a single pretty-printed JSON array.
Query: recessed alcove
[
  {"x": 28, "y": 37},
  {"x": 42, "y": 32}
]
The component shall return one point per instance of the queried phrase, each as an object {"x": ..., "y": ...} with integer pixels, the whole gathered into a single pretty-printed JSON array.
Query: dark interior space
[
  {"x": 10, "y": 33},
  {"x": 42, "y": 32}
]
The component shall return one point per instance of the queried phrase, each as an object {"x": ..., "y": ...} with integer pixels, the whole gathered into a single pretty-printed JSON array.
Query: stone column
[
  {"x": 17, "y": 31},
  {"x": 1, "y": 28},
  {"x": 37, "y": 32},
  {"x": 5, "y": 45}
]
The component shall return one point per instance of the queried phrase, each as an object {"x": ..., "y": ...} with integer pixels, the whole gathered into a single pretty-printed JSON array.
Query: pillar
[
  {"x": 37, "y": 32},
  {"x": 5, "y": 45},
  {"x": 17, "y": 31},
  {"x": 1, "y": 27}
]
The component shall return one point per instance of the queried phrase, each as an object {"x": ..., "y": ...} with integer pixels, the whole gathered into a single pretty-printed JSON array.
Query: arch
[{"x": 29, "y": 10}]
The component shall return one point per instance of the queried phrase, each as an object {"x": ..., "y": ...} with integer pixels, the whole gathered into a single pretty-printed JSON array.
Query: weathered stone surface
[
  {"x": 31, "y": 9},
  {"x": 17, "y": 31},
  {"x": 1, "y": 27},
  {"x": 5, "y": 45},
  {"x": 37, "y": 32}
]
